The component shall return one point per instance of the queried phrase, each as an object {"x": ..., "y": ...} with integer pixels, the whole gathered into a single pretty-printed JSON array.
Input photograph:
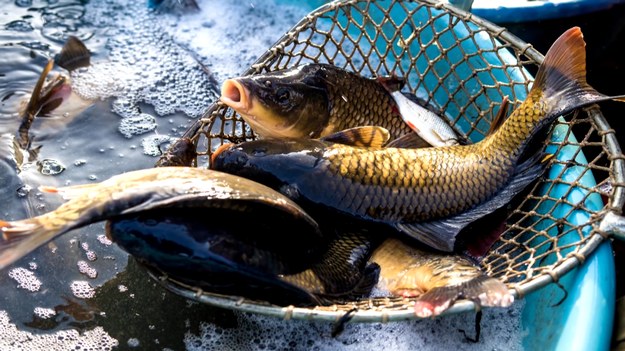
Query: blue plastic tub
[{"x": 514, "y": 11}]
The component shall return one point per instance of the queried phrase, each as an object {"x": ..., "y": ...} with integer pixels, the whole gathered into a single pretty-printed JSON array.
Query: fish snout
[{"x": 235, "y": 95}]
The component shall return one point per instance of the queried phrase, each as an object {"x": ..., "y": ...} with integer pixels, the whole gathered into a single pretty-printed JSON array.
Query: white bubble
[
  {"x": 84, "y": 268},
  {"x": 82, "y": 289},
  {"x": 11, "y": 338},
  {"x": 136, "y": 125},
  {"x": 500, "y": 330},
  {"x": 44, "y": 313},
  {"x": 25, "y": 279},
  {"x": 152, "y": 144},
  {"x": 104, "y": 240}
]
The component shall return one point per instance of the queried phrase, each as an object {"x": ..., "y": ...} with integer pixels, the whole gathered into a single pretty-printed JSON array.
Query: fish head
[
  {"x": 289, "y": 103},
  {"x": 276, "y": 163}
]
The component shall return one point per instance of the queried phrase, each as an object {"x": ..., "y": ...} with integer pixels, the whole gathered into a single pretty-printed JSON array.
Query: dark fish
[
  {"x": 310, "y": 101},
  {"x": 46, "y": 98},
  {"x": 158, "y": 188},
  {"x": 430, "y": 194},
  {"x": 180, "y": 153},
  {"x": 437, "y": 280},
  {"x": 232, "y": 256}
]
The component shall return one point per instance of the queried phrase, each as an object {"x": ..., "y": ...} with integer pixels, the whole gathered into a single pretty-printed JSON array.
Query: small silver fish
[{"x": 428, "y": 125}]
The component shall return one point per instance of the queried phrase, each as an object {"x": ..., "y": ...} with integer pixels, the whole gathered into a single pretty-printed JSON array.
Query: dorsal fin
[
  {"x": 366, "y": 136},
  {"x": 391, "y": 83},
  {"x": 73, "y": 55},
  {"x": 500, "y": 117}
]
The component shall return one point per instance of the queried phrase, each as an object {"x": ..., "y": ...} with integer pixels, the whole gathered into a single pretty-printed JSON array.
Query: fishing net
[{"x": 464, "y": 66}]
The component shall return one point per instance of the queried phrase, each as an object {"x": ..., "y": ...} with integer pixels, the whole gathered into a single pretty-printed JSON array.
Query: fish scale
[{"x": 376, "y": 108}]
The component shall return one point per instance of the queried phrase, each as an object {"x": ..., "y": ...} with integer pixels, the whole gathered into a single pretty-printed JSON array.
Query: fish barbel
[
  {"x": 311, "y": 101},
  {"x": 430, "y": 194},
  {"x": 151, "y": 189},
  {"x": 437, "y": 280}
]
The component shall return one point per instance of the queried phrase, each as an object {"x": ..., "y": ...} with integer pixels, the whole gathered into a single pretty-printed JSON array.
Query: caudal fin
[
  {"x": 19, "y": 238},
  {"x": 562, "y": 76}
]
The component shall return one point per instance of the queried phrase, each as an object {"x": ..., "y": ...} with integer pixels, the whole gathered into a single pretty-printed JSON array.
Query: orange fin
[
  {"x": 482, "y": 290},
  {"x": 366, "y": 136},
  {"x": 562, "y": 76},
  {"x": 500, "y": 117}
]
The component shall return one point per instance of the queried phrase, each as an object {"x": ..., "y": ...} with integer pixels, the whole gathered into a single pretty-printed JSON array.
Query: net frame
[{"x": 562, "y": 220}]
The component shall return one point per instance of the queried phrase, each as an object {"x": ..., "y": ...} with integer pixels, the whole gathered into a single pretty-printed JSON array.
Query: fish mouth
[{"x": 236, "y": 95}]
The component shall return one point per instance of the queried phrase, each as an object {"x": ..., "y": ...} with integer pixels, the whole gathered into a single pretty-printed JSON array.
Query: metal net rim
[{"x": 380, "y": 314}]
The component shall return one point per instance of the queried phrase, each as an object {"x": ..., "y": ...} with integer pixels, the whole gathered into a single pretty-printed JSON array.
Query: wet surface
[{"x": 153, "y": 73}]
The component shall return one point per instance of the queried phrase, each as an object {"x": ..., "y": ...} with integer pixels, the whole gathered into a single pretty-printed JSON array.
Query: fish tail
[
  {"x": 73, "y": 55},
  {"x": 562, "y": 76},
  {"x": 19, "y": 238},
  {"x": 482, "y": 290}
]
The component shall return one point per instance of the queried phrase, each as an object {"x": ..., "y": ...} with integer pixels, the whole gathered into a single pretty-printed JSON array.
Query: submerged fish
[
  {"x": 48, "y": 97},
  {"x": 437, "y": 280},
  {"x": 430, "y": 194},
  {"x": 428, "y": 125},
  {"x": 186, "y": 188},
  {"x": 311, "y": 101},
  {"x": 233, "y": 256}
]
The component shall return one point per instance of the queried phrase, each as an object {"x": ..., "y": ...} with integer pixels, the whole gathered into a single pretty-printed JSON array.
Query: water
[{"x": 153, "y": 73}]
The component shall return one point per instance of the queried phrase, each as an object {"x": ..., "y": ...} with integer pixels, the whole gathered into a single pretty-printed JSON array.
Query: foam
[
  {"x": 44, "y": 313},
  {"x": 84, "y": 268},
  {"x": 25, "y": 279},
  {"x": 82, "y": 289},
  {"x": 11, "y": 338},
  {"x": 500, "y": 331},
  {"x": 144, "y": 65},
  {"x": 175, "y": 65}
]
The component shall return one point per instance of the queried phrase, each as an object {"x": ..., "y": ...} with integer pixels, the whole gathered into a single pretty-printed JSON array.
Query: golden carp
[
  {"x": 430, "y": 194},
  {"x": 188, "y": 188},
  {"x": 437, "y": 280},
  {"x": 310, "y": 101}
]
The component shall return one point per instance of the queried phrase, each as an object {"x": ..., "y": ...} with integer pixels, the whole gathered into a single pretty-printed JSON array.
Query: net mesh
[{"x": 463, "y": 66}]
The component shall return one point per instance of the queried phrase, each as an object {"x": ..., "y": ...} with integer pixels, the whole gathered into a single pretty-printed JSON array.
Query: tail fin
[
  {"x": 19, "y": 238},
  {"x": 562, "y": 75},
  {"x": 482, "y": 290},
  {"x": 73, "y": 55}
]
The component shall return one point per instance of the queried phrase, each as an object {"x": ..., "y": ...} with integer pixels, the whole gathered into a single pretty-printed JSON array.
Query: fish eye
[
  {"x": 283, "y": 95},
  {"x": 268, "y": 83}
]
